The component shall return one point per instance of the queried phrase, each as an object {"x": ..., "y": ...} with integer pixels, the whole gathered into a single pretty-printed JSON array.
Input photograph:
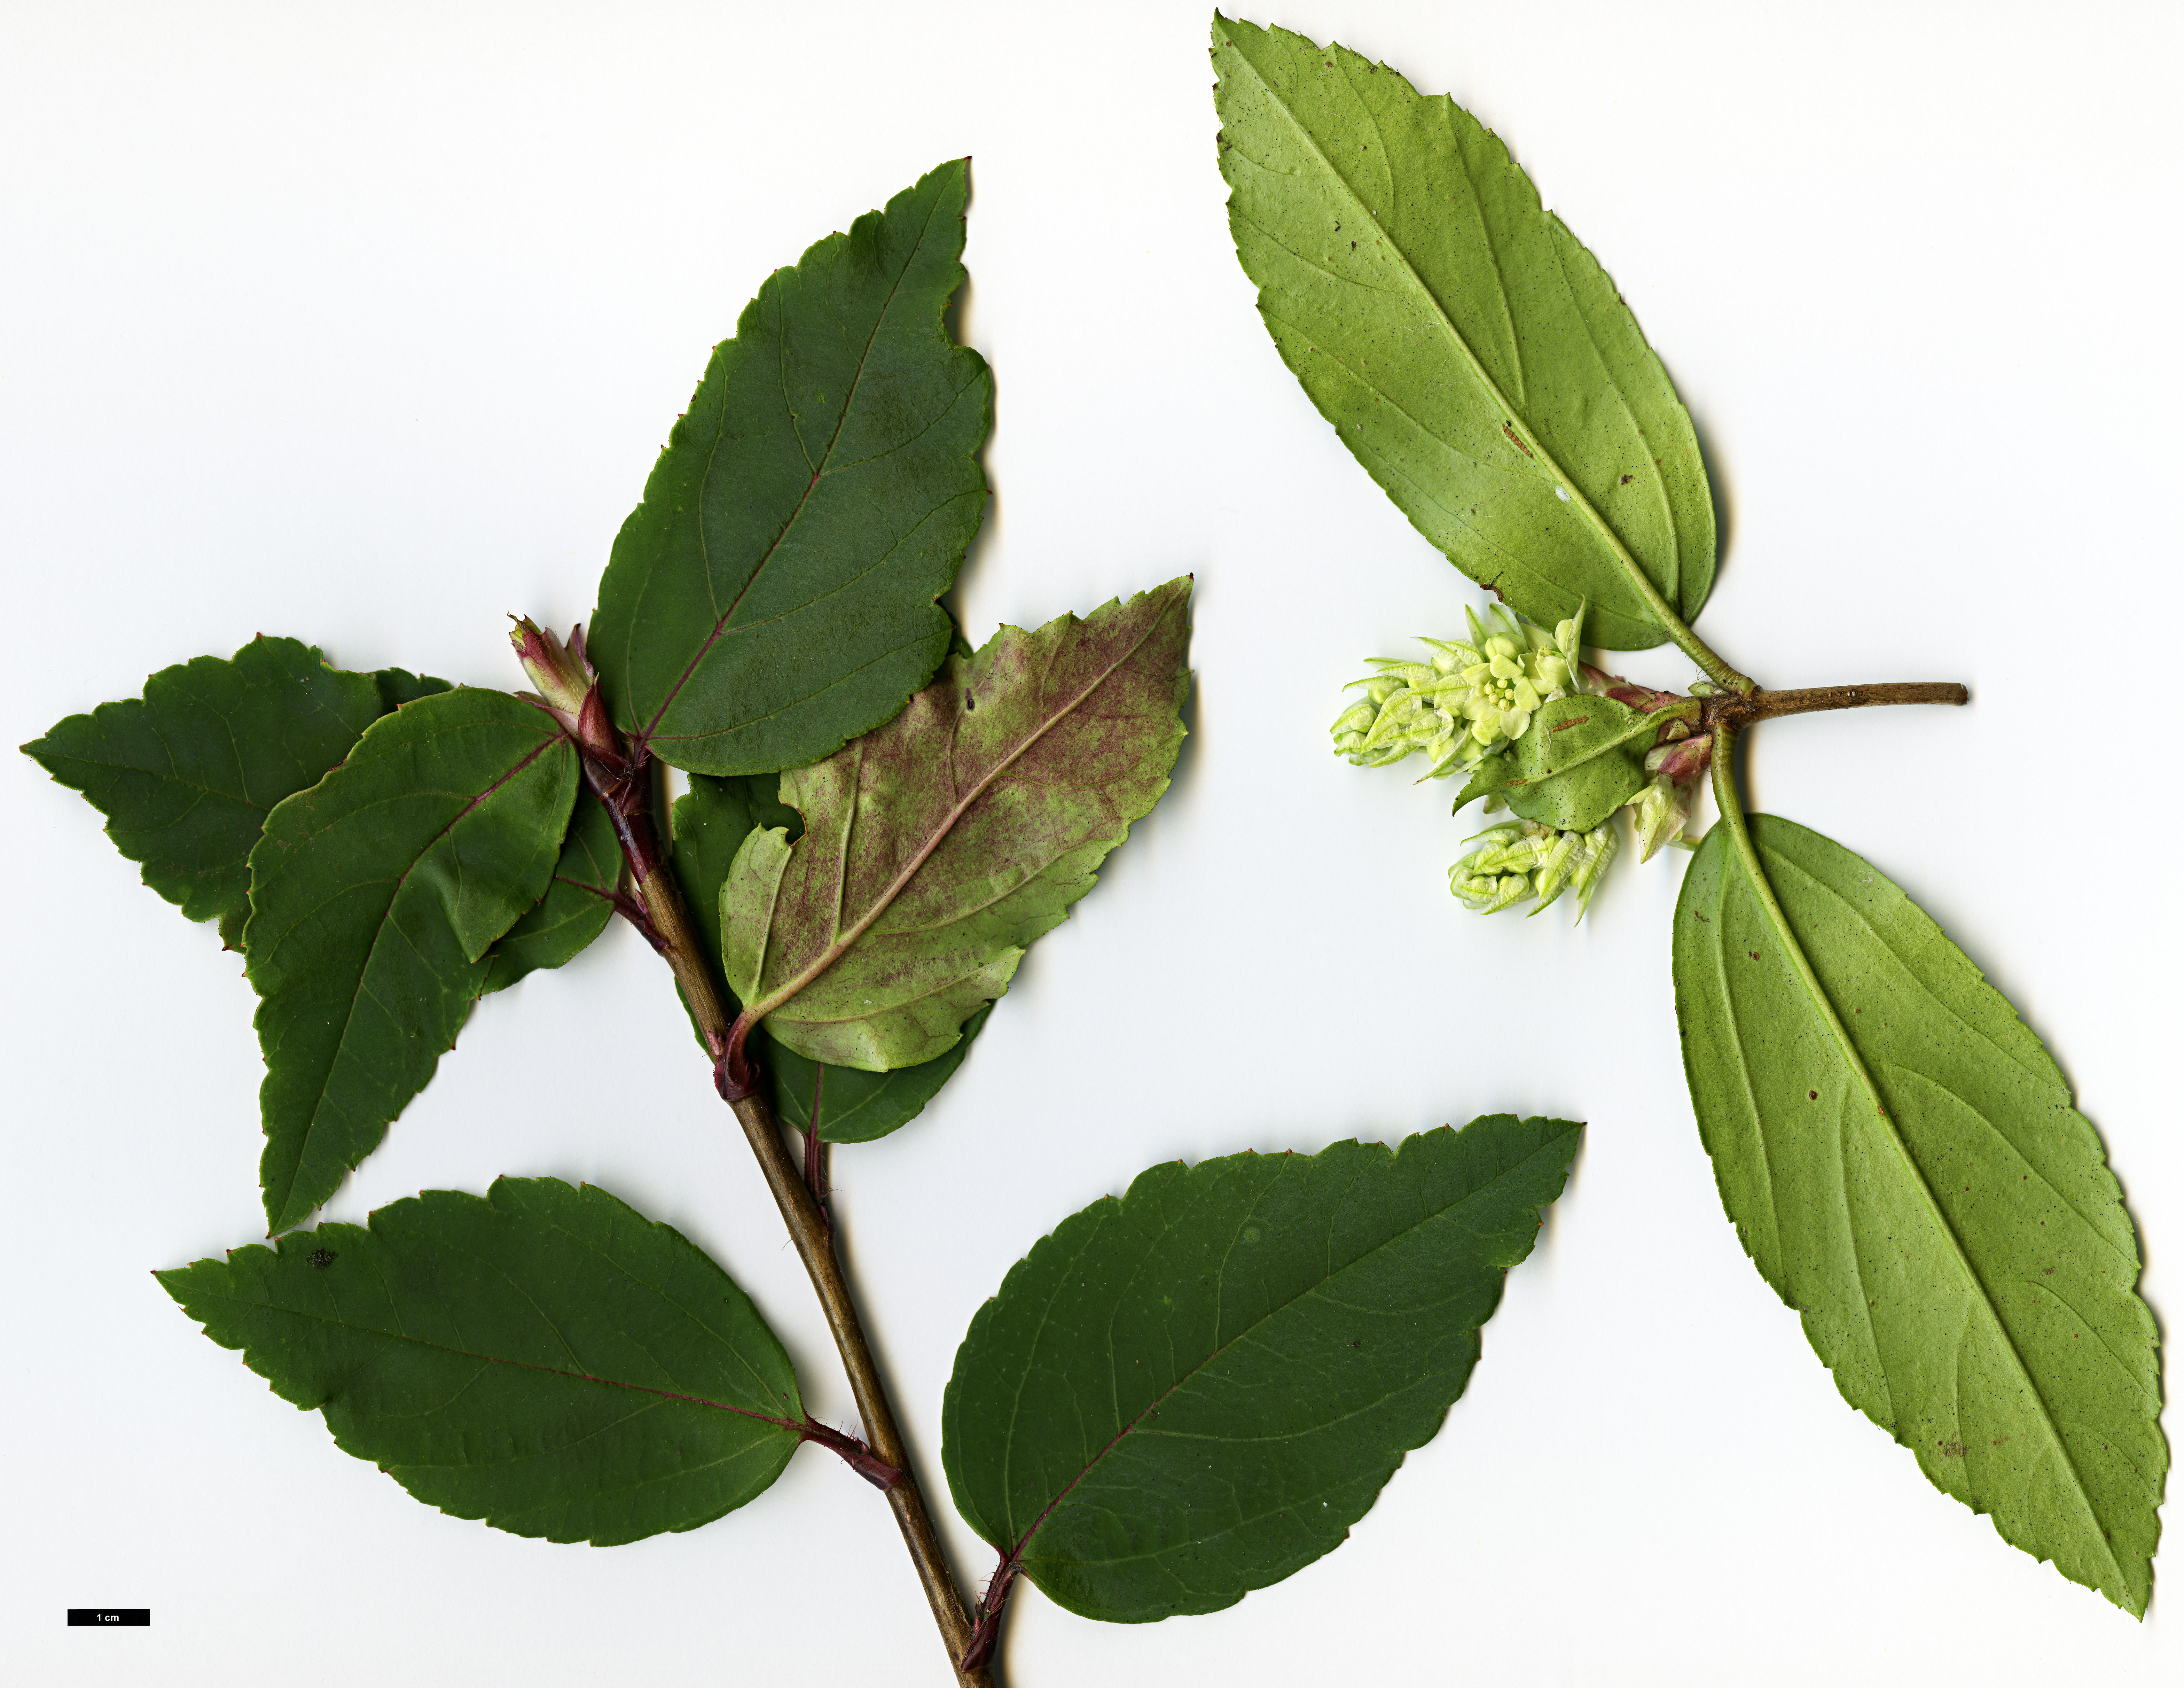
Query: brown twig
[
  {"x": 1733, "y": 711},
  {"x": 622, "y": 779}
]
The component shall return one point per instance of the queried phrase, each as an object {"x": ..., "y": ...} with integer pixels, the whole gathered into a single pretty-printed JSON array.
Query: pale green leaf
[
  {"x": 937, "y": 846},
  {"x": 1903, "y": 1165},
  {"x": 1471, "y": 354}
]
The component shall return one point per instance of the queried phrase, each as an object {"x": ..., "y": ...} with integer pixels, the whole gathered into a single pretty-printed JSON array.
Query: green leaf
[
  {"x": 1903, "y": 1163},
  {"x": 1471, "y": 354},
  {"x": 852, "y": 1106},
  {"x": 579, "y": 903},
  {"x": 1580, "y": 760},
  {"x": 541, "y": 1357},
  {"x": 375, "y": 896},
  {"x": 186, "y": 775},
  {"x": 936, "y": 847},
  {"x": 774, "y": 596},
  {"x": 1190, "y": 1393},
  {"x": 710, "y": 821}
]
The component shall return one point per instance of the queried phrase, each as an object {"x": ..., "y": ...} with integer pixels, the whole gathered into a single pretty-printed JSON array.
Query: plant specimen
[
  {"x": 1900, "y": 1156},
  {"x": 1178, "y": 1396}
]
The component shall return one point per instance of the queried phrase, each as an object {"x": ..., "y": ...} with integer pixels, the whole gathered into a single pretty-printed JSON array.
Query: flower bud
[
  {"x": 1658, "y": 815},
  {"x": 1595, "y": 853}
]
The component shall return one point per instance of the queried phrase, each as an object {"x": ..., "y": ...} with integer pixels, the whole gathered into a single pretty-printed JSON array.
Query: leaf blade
[
  {"x": 1467, "y": 348},
  {"x": 186, "y": 773},
  {"x": 1902, "y": 1161},
  {"x": 579, "y": 903},
  {"x": 1192, "y": 1392},
  {"x": 375, "y": 896},
  {"x": 938, "y": 845},
  {"x": 618, "y": 1381},
  {"x": 775, "y": 592}
]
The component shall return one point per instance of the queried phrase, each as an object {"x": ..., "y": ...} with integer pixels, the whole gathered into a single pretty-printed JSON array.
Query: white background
[{"x": 363, "y": 324}]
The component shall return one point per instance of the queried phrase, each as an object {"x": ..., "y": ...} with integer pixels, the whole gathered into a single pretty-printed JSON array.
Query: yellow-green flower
[
  {"x": 1510, "y": 862},
  {"x": 1468, "y": 699}
]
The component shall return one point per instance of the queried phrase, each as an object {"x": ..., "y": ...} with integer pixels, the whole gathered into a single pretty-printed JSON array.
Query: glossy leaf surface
[
  {"x": 774, "y": 596},
  {"x": 577, "y": 905},
  {"x": 1903, "y": 1163},
  {"x": 1471, "y": 354},
  {"x": 186, "y": 775},
  {"x": 1194, "y": 1391},
  {"x": 375, "y": 896},
  {"x": 936, "y": 847},
  {"x": 543, "y": 1357}
]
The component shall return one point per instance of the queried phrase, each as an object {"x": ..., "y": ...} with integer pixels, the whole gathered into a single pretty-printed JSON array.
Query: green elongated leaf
[
  {"x": 1190, "y": 1393},
  {"x": 543, "y": 1357},
  {"x": 1580, "y": 760},
  {"x": 936, "y": 847},
  {"x": 375, "y": 896},
  {"x": 1471, "y": 354},
  {"x": 579, "y": 903},
  {"x": 1903, "y": 1163},
  {"x": 774, "y": 595},
  {"x": 186, "y": 775},
  {"x": 850, "y": 1106}
]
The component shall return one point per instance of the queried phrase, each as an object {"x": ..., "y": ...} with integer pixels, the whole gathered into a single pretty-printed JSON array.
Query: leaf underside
[
  {"x": 1469, "y": 352},
  {"x": 1194, "y": 1391},
  {"x": 1927, "y": 1198},
  {"x": 851, "y": 1106},
  {"x": 543, "y": 1357},
  {"x": 376, "y": 895},
  {"x": 577, "y": 905},
  {"x": 773, "y": 595},
  {"x": 186, "y": 775},
  {"x": 937, "y": 845}
]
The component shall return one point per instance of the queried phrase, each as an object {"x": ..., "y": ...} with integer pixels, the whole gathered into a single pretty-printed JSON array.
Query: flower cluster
[
  {"x": 1472, "y": 698},
  {"x": 1508, "y": 864},
  {"x": 1468, "y": 701}
]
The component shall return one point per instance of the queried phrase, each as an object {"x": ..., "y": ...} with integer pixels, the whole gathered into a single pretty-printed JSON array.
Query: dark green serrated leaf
[
  {"x": 543, "y": 1357},
  {"x": 1580, "y": 760},
  {"x": 939, "y": 844},
  {"x": 853, "y": 1106},
  {"x": 375, "y": 895},
  {"x": 579, "y": 903},
  {"x": 1903, "y": 1164},
  {"x": 774, "y": 596},
  {"x": 1471, "y": 354},
  {"x": 186, "y": 775},
  {"x": 1190, "y": 1393}
]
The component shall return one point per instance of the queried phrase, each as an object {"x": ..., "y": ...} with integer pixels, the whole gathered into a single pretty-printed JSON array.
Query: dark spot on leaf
[
  {"x": 321, "y": 1258},
  {"x": 1754, "y": 954},
  {"x": 1953, "y": 1450},
  {"x": 1812, "y": 1096},
  {"x": 970, "y": 701},
  {"x": 1353, "y": 246},
  {"x": 1625, "y": 481},
  {"x": 2048, "y": 1271}
]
